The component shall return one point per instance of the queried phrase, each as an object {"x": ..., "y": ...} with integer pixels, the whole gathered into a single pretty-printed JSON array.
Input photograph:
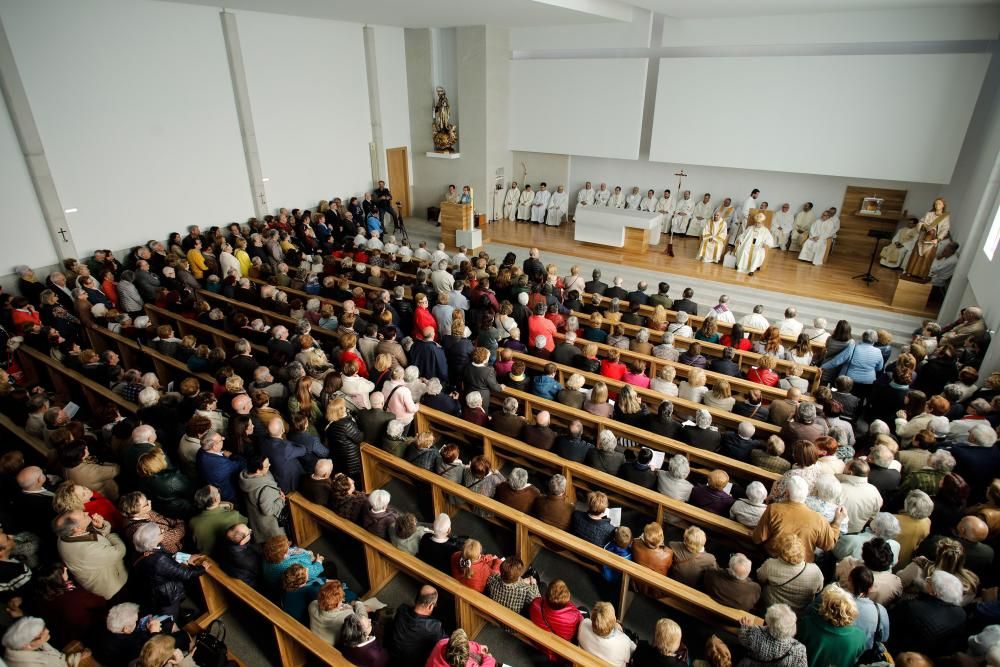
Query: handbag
[
  {"x": 210, "y": 649},
  {"x": 877, "y": 654}
]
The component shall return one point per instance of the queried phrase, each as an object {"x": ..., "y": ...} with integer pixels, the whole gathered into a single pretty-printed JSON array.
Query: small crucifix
[
  {"x": 680, "y": 178},
  {"x": 262, "y": 195},
  {"x": 62, "y": 233}
]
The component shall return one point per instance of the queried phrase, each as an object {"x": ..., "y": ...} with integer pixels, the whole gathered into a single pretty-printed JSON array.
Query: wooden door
[{"x": 399, "y": 176}]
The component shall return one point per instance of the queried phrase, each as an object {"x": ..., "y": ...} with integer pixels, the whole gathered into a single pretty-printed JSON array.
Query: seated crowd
[{"x": 877, "y": 538}]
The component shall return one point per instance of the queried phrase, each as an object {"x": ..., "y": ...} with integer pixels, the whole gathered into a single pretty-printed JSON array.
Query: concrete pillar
[{"x": 374, "y": 107}]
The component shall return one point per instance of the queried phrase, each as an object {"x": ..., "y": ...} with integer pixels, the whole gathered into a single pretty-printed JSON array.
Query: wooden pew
[
  {"x": 383, "y": 561},
  {"x": 531, "y": 535},
  {"x": 499, "y": 448},
  {"x": 297, "y": 645},
  {"x": 701, "y": 459},
  {"x": 33, "y": 443},
  {"x": 133, "y": 355},
  {"x": 185, "y": 326},
  {"x": 648, "y": 396},
  {"x": 68, "y": 382},
  {"x": 744, "y": 358},
  {"x": 271, "y": 318}
]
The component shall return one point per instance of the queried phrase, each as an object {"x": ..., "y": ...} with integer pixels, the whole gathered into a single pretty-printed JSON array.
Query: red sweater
[
  {"x": 560, "y": 622},
  {"x": 481, "y": 570}
]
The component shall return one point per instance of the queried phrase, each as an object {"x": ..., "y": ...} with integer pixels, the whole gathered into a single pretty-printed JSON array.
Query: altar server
[
  {"x": 815, "y": 244},
  {"x": 633, "y": 200},
  {"x": 782, "y": 225},
  {"x": 602, "y": 196},
  {"x": 540, "y": 204},
  {"x": 666, "y": 207},
  {"x": 804, "y": 220},
  {"x": 649, "y": 203},
  {"x": 586, "y": 196},
  {"x": 752, "y": 246},
  {"x": 713, "y": 240},
  {"x": 725, "y": 211},
  {"x": 701, "y": 216},
  {"x": 510, "y": 202},
  {"x": 558, "y": 206},
  {"x": 740, "y": 220},
  {"x": 617, "y": 200},
  {"x": 895, "y": 255},
  {"x": 524, "y": 203},
  {"x": 682, "y": 214}
]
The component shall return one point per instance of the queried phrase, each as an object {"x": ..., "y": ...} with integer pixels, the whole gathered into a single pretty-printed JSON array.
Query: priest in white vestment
[
  {"x": 721, "y": 311},
  {"x": 666, "y": 207},
  {"x": 682, "y": 214},
  {"x": 558, "y": 207},
  {"x": 804, "y": 220},
  {"x": 540, "y": 205},
  {"x": 602, "y": 196},
  {"x": 524, "y": 203},
  {"x": 740, "y": 220},
  {"x": 815, "y": 245},
  {"x": 586, "y": 196},
  {"x": 895, "y": 255},
  {"x": 701, "y": 215},
  {"x": 752, "y": 246},
  {"x": 617, "y": 198},
  {"x": 781, "y": 226},
  {"x": 633, "y": 200},
  {"x": 725, "y": 211},
  {"x": 836, "y": 220},
  {"x": 713, "y": 240},
  {"x": 510, "y": 201},
  {"x": 498, "y": 197},
  {"x": 649, "y": 202}
]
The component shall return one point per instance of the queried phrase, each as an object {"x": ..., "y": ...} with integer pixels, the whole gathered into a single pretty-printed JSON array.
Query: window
[{"x": 993, "y": 237}]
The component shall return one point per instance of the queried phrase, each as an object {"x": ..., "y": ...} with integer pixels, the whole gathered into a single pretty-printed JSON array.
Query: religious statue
[
  {"x": 932, "y": 229},
  {"x": 445, "y": 133}
]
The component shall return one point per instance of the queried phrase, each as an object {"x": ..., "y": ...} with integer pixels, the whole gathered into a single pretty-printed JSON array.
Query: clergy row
[{"x": 539, "y": 207}]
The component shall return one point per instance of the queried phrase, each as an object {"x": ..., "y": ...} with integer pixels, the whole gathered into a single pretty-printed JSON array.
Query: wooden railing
[
  {"x": 185, "y": 326},
  {"x": 532, "y": 535},
  {"x": 136, "y": 355},
  {"x": 69, "y": 384},
  {"x": 499, "y": 448},
  {"x": 384, "y": 561}
]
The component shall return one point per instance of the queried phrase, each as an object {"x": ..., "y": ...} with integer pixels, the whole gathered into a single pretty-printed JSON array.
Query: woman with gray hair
[
  {"x": 572, "y": 393},
  {"x": 680, "y": 327},
  {"x": 641, "y": 343},
  {"x": 884, "y": 525},
  {"x": 606, "y": 457},
  {"x": 914, "y": 524},
  {"x": 673, "y": 481},
  {"x": 772, "y": 644},
  {"x": 933, "y": 624},
  {"x": 702, "y": 435},
  {"x": 162, "y": 575},
  {"x": 27, "y": 644},
  {"x": 517, "y": 492},
  {"x": 380, "y": 517}
]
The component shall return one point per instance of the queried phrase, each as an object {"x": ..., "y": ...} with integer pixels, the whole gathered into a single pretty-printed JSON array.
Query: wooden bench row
[{"x": 532, "y": 535}]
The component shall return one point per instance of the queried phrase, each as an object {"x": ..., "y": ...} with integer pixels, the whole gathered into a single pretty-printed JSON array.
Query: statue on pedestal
[
  {"x": 932, "y": 229},
  {"x": 445, "y": 133}
]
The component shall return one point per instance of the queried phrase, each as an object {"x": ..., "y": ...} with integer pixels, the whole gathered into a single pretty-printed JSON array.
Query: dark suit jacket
[
  {"x": 744, "y": 409},
  {"x": 285, "y": 465},
  {"x": 615, "y": 292},
  {"x": 244, "y": 366},
  {"x": 701, "y": 438},
  {"x": 595, "y": 287},
  {"x": 730, "y": 368},
  {"x": 735, "y": 447},
  {"x": 687, "y": 305},
  {"x": 429, "y": 357},
  {"x": 220, "y": 472},
  {"x": 539, "y": 436},
  {"x": 635, "y": 296}
]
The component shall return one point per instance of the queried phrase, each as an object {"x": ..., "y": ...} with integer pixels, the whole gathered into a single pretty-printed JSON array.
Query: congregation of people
[{"x": 878, "y": 539}]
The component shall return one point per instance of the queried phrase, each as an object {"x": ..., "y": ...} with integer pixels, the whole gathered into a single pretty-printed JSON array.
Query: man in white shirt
[
  {"x": 701, "y": 215},
  {"x": 617, "y": 199},
  {"x": 633, "y": 200},
  {"x": 540, "y": 204},
  {"x": 742, "y": 213},
  {"x": 602, "y": 196},
  {"x": 682, "y": 214},
  {"x": 649, "y": 202},
  {"x": 721, "y": 311},
  {"x": 943, "y": 266},
  {"x": 815, "y": 245},
  {"x": 666, "y": 207},
  {"x": 422, "y": 254},
  {"x": 781, "y": 226},
  {"x": 440, "y": 255},
  {"x": 460, "y": 257},
  {"x": 524, "y": 203},
  {"x": 817, "y": 332},
  {"x": 441, "y": 279},
  {"x": 755, "y": 320},
  {"x": 558, "y": 206},
  {"x": 510, "y": 201},
  {"x": 586, "y": 196},
  {"x": 790, "y": 326}
]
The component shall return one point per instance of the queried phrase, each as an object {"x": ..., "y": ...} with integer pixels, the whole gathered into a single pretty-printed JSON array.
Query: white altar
[{"x": 618, "y": 227}]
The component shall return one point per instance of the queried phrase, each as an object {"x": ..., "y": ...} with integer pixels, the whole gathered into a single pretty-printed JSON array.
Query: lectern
[{"x": 454, "y": 218}]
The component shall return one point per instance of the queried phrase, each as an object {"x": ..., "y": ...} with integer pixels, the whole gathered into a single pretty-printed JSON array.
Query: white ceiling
[
  {"x": 439, "y": 13},
  {"x": 689, "y": 9}
]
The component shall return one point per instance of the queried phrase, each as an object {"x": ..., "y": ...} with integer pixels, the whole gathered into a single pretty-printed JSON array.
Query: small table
[{"x": 628, "y": 229}]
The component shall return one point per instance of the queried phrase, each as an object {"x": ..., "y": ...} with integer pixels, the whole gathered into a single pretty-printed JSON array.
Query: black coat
[
  {"x": 736, "y": 447},
  {"x": 412, "y": 637},
  {"x": 344, "y": 438},
  {"x": 241, "y": 562},
  {"x": 430, "y": 359},
  {"x": 701, "y": 438},
  {"x": 725, "y": 367},
  {"x": 595, "y": 287},
  {"x": 442, "y": 402},
  {"x": 482, "y": 379},
  {"x": 687, "y": 305},
  {"x": 163, "y": 580}
]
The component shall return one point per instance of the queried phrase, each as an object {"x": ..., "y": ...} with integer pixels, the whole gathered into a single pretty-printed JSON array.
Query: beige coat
[
  {"x": 96, "y": 560},
  {"x": 96, "y": 477}
]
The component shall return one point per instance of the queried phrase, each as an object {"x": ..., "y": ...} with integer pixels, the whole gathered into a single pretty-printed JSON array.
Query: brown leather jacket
[{"x": 658, "y": 559}]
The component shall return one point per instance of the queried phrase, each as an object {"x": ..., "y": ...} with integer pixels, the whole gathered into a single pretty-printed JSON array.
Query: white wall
[
  {"x": 579, "y": 107},
  {"x": 310, "y": 106},
  {"x": 912, "y": 24},
  {"x": 613, "y": 34},
  {"x": 134, "y": 105},
  {"x": 390, "y": 55},
  {"x": 775, "y": 187},
  {"x": 889, "y": 128},
  {"x": 21, "y": 213},
  {"x": 534, "y": 168}
]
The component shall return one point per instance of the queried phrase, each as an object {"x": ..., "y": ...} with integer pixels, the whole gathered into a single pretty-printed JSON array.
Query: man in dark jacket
[
  {"x": 429, "y": 357},
  {"x": 374, "y": 421},
  {"x": 539, "y": 434},
  {"x": 285, "y": 456},
  {"x": 639, "y": 295},
  {"x": 725, "y": 364},
  {"x": 239, "y": 556},
  {"x": 752, "y": 406},
  {"x": 933, "y": 623},
  {"x": 616, "y": 291},
  {"x": 739, "y": 443},
  {"x": 218, "y": 467},
  {"x": 566, "y": 351},
  {"x": 638, "y": 471},
  {"x": 414, "y": 631},
  {"x": 243, "y": 362},
  {"x": 572, "y": 446},
  {"x": 685, "y": 303},
  {"x": 533, "y": 267},
  {"x": 664, "y": 424},
  {"x": 702, "y": 435},
  {"x": 595, "y": 286}
]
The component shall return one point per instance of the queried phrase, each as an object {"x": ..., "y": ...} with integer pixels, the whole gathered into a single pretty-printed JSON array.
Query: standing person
[
  {"x": 933, "y": 228},
  {"x": 450, "y": 196},
  {"x": 741, "y": 219},
  {"x": 383, "y": 200}
]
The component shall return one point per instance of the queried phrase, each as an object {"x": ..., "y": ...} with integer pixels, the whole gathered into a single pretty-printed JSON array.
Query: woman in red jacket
[
  {"x": 349, "y": 352},
  {"x": 23, "y": 313},
  {"x": 422, "y": 318},
  {"x": 736, "y": 339},
  {"x": 764, "y": 373},
  {"x": 471, "y": 567},
  {"x": 556, "y": 614},
  {"x": 612, "y": 367}
]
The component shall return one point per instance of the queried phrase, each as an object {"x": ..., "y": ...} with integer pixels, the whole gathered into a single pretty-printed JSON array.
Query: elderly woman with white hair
[
  {"x": 749, "y": 509},
  {"x": 27, "y": 645},
  {"x": 394, "y": 441},
  {"x": 163, "y": 576},
  {"x": 934, "y": 623},
  {"x": 606, "y": 456},
  {"x": 680, "y": 327},
  {"x": 673, "y": 481},
  {"x": 379, "y": 517},
  {"x": 702, "y": 434},
  {"x": 914, "y": 524},
  {"x": 123, "y": 641},
  {"x": 884, "y": 525},
  {"x": 437, "y": 546},
  {"x": 824, "y": 499},
  {"x": 572, "y": 394},
  {"x": 772, "y": 644},
  {"x": 474, "y": 411}
]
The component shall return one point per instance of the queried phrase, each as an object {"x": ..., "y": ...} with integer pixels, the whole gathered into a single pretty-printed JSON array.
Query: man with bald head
[
  {"x": 783, "y": 410},
  {"x": 414, "y": 630},
  {"x": 92, "y": 553},
  {"x": 32, "y": 507},
  {"x": 285, "y": 456},
  {"x": 539, "y": 434},
  {"x": 969, "y": 324}
]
